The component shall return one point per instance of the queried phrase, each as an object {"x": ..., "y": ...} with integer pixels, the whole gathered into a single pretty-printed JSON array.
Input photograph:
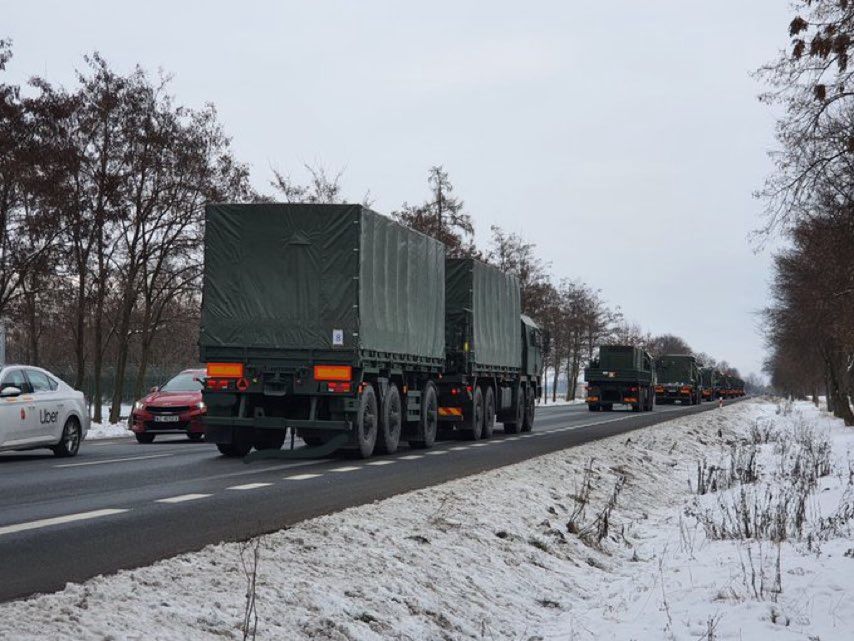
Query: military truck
[
  {"x": 678, "y": 379},
  {"x": 328, "y": 322},
  {"x": 622, "y": 374},
  {"x": 494, "y": 353},
  {"x": 328, "y": 319},
  {"x": 710, "y": 381}
]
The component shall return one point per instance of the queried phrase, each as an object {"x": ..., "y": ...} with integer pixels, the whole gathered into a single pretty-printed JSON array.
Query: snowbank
[
  {"x": 593, "y": 542},
  {"x": 110, "y": 430}
]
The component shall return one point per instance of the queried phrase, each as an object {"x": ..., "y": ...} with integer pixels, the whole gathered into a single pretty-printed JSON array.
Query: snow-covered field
[
  {"x": 106, "y": 429},
  {"x": 609, "y": 540}
]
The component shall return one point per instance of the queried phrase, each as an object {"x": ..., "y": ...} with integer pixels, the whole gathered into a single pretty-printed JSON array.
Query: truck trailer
[
  {"x": 328, "y": 322},
  {"x": 622, "y": 374},
  {"x": 710, "y": 380},
  {"x": 678, "y": 379}
]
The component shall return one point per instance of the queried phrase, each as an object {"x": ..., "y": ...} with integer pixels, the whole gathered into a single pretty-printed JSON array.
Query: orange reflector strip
[
  {"x": 333, "y": 372},
  {"x": 225, "y": 370},
  {"x": 450, "y": 411},
  {"x": 630, "y": 399},
  {"x": 592, "y": 399}
]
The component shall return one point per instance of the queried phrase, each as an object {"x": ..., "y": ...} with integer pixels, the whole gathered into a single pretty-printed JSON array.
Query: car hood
[{"x": 172, "y": 399}]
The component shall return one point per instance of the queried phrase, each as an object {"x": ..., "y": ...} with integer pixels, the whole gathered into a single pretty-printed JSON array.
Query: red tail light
[{"x": 338, "y": 387}]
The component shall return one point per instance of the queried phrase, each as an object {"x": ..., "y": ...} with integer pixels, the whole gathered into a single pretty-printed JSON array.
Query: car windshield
[{"x": 186, "y": 382}]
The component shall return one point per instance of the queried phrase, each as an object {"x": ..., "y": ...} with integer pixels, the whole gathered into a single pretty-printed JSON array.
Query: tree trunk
[{"x": 841, "y": 406}]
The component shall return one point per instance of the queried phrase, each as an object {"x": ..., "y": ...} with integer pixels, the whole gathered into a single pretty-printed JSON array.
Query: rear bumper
[{"x": 274, "y": 423}]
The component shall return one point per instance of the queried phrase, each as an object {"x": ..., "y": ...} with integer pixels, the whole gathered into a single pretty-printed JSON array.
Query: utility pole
[{"x": 2, "y": 342}]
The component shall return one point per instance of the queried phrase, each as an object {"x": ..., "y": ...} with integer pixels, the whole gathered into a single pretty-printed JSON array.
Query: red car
[{"x": 173, "y": 408}]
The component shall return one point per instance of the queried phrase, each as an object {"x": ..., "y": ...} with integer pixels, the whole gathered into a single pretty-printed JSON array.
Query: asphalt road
[{"x": 120, "y": 504}]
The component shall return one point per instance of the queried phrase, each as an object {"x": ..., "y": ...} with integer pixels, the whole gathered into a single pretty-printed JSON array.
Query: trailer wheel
[
  {"x": 366, "y": 422},
  {"x": 513, "y": 427},
  {"x": 530, "y": 410},
  {"x": 474, "y": 424},
  {"x": 488, "y": 413},
  {"x": 428, "y": 423},
  {"x": 269, "y": 439},
  {"x": 391, "y": 421},
  {"x": 241, "y": 443}
]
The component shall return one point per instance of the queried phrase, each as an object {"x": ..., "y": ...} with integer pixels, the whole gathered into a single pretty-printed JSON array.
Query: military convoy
[
  {"x": 355, "y": 332},
  {"x": 340, "y": 326}
]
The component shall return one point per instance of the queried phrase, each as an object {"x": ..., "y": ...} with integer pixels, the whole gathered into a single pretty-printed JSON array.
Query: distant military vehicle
[
  {"x": 710, "y": 379},
  {"x": 622, "y": 374},
  {"x": 678, "y": 379}
]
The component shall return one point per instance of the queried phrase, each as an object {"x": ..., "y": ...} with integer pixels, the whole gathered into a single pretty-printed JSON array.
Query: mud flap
[{"x": 335, "y": 443}]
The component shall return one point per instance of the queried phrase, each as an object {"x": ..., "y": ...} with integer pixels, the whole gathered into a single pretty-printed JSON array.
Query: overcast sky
[{"x": 624, "y": 138}]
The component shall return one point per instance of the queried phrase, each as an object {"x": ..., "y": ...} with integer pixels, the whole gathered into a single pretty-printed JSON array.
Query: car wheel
[
  {"x": 144, "y": 438},
  {"x": 69, "y": 442}
]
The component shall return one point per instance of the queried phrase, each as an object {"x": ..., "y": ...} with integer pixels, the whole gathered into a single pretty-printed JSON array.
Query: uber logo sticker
[
  {"x": 338, "y": 337},
  {"x": 47, "y": 417}
]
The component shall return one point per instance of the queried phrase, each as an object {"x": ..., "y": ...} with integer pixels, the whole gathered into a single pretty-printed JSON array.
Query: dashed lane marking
[
  {"x": 382, "y": 462},
  {"x": 182, "y": 498},
  {"x": 437, "y": 452},
  {"x": 58, "y": 520},
  {"x": 346, "y": 468},
  {"x": 411, "y": 457},
  {"x": 302, "y": 477},
  {"x": 459, "y": 448},
  {"x": 249, "y": 486}
]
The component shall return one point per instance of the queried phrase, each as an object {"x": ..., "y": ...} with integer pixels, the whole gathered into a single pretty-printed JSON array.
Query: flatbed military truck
[
  {"x": 328, "y": 322},
  {"x": 327, "y": 319},
  {"x": 678, "y": 379},
  {"x": 494, "y": 353},
  {"x": 622, "y": 374}
]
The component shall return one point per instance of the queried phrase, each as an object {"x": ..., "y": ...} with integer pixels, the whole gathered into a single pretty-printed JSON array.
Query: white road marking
[
  {"x": 384, "y": 462},
  {"x": 302, "y": 477},
  {"x": 459, "y": 448},
  {"x": 115, "y": 460},
  {"x": 249, "y": 486},
  {"x": 181, "y": 498},
  {"x": 437, "y": 452},
  {"x": 346, "y": 468},
  {"x": 479, "y": 444},
  {"x": 411, "y": 457},
  {"x": 58, "y": 520}
]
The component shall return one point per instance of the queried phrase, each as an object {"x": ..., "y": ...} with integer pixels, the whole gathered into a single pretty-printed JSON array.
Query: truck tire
[
  {"x": 241, "y": 443},
  {"x": 367, "y": 422},
  {"x": 488, "y": 413},
  {"x": 474, "y": 421},
  {"x": 428, "y": 423},
  {"x": 269, "y": 439},
  {"x": 530, "y": 410},
  {"x": 391, "y": 421},
  {"x": 593, "y": 408},
  {"x": 607, "y": 407},
  {"x": 515, "y": 425}
]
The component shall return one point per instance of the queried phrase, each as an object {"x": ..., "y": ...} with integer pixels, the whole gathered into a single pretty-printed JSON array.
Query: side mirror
[
  {"x": 153, "y": 389},
  {"x": 9, "y": 392}
]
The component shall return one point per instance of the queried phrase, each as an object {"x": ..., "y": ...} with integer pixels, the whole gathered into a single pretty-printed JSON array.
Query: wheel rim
[
  {"x": 72, "y": 437},
  {"x": 431, "y": 418},
  {"x": 369, "y": 421},
  {"x": 477, "y": 428},
  {"x": 394, "y": 419}
]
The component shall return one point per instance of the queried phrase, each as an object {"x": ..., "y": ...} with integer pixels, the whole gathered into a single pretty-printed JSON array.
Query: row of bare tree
[
  {"x": 102, "y": 193},
  {"x": 810, "y": 203}
]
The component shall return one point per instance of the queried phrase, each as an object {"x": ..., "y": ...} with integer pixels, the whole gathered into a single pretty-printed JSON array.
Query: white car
[{"x": 37, "y": 410}]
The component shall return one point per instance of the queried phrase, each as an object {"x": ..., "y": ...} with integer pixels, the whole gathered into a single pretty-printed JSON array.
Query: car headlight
[
  {"x": 139, "y": 406},
  {"x": 201, "y": 406}
]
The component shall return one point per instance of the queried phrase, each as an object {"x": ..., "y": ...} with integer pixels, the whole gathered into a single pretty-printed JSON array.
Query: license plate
[{"x": 166, "y": 419}]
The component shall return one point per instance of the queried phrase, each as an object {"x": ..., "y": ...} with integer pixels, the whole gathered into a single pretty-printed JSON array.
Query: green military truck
[
  {"x": 710, "y": 381},
  {"x": 678, "y": 380},
  {"x": 622, "y": 374},
  {"x": 494, "y": 353},
  {"x": 327, "y": 319}
]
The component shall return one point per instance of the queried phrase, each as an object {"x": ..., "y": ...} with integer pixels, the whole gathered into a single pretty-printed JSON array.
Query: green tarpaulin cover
[
  {"x": 491, "y": 302},
  {"x": 322, "y": 277}
]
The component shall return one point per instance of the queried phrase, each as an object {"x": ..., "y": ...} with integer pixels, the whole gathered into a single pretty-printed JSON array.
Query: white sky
[{"x": 624, "y": 138}]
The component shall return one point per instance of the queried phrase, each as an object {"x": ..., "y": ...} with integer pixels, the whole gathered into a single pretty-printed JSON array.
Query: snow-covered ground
[
  {"x": 105, "y": 429},
  {"x": 560, "y": 402},
  {"x": 608, "y": 540}
]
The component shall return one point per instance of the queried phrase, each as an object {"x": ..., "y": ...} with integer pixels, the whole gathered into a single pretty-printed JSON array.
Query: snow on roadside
[
  {"x": 110, "y": 430},
  {"x": 505, "y": 554}
]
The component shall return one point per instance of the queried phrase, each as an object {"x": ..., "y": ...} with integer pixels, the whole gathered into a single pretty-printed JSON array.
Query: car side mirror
[
  {"x": 153, "y": 389},
  {"x": 9, "y": 392}
]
